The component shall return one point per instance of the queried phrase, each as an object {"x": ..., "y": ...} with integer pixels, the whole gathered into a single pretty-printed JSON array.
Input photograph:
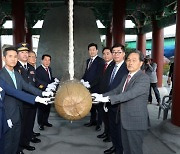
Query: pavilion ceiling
[{"x": 140, "y": 12}]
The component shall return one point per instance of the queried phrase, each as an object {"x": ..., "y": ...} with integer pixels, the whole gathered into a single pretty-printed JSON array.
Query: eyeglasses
[{"x": 116, "y": 53}]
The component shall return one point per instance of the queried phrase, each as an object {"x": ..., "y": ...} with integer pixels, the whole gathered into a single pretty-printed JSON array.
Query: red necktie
[
  {"x": 105, "y": 66},
  {"x": 127, "y": 81},
  {"x": 47, "y": 70}
]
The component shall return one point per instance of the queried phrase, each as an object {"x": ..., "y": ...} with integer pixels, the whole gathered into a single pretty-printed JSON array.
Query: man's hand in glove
[
  {"x": 44, "y": 101},
  {"x": 100, "y": 98},
  {"x": 85, "y": 83},
  {"x": 56, "y": 80},
  {"x": 47, "y": 94},
  {"x": 51, "y": 85}
]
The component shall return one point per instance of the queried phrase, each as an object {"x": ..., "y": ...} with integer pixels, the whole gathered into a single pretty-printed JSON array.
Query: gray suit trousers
[{"x": 132, "y": 141}]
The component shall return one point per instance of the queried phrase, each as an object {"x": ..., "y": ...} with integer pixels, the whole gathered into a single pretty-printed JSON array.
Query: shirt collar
[
  {"x": 109, "y": 62},
  {"x": 132, "y": 74},
  {"x": 22, "y": 63},
  {"x": 9, "y": 71},
  {"x": 119, "y": 65},
  {"x": 93, "y": 57}
]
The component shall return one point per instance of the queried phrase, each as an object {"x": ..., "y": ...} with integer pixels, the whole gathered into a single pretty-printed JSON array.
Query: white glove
[
  {"x": 44, "y": 101},
  {"x": 10, "y": 124},
  {"x": 51, "y": 85},
  {"x": 102, "y": 99},
  {"x": 96, "y": 95},
  {"x": 105, "y": 108},
  {"x": 82, "y": 81},
  {"x": 50, "y": 89},
  {"x": 47, "y": 94},
  {"x": 86, "y": 84},
  {"x": 56, "y": 80}
]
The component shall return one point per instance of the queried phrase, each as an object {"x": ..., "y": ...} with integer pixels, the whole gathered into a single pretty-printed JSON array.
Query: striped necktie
[{"x": 113, "y": 73}]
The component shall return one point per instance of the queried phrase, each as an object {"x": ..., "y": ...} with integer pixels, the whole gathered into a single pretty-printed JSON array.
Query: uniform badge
[{"x": 31, "y": 72}]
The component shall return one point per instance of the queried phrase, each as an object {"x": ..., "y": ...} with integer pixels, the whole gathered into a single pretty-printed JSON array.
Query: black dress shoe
[
  {"x": 48, "y": 124},
  {"x": 29, "y": 148},
  {"x": 98, "y": 128},
  {"x": 103, "y": 135},
  {"x": 41, "y": 127},
  {"x": 35, "y": 140},
  {"x": 110, "y": 150},
  {"x": 36, "y": 134},
  {"x": 20, "y": 152},
  {"x": 90, "y": 124},
  {"x": 107, "y": 139}
]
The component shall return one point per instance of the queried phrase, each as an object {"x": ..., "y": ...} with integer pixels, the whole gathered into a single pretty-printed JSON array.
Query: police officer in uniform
[{"x": 27, "y": 71}]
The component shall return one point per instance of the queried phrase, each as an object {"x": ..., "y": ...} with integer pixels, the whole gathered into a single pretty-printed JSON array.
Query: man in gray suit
[
  {"x": 132, "y": 96},
  {"x": 12, "y": 106}
]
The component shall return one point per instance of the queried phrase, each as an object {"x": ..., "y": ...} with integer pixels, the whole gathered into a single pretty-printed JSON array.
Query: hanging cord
[{"x": 71, "y": 41}]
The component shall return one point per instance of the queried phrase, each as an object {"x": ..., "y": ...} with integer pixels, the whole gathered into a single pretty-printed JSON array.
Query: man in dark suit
[
  {"x": 27, "y": 72},
  {"x": 132, "y": 96},
  {"x": 13, "y": 107},
  {"x": 94, "y": 67},
  {"x": 114, "y": 79},
  {"x": 103, "y": 87},
  {"x": 5, "y": 123},
  {"x": 43, "y": 79}
]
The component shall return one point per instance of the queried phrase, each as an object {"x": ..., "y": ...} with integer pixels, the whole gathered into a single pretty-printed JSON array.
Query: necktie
[
  {"x": 47, "y": 70},
  {"x": 14, "y": 79},
  {"x": 25, "y": 66},
  {"x": 105, "y": 66},
  {"x": 90, "y": 62},
  {"x": 113, "y": 74},
  {"x": 127, "y": 81}
]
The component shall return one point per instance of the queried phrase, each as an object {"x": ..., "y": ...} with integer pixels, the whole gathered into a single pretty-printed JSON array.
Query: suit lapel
[
  {"x": 8, "y": 77},
  {"x": 135, "y": 76}
]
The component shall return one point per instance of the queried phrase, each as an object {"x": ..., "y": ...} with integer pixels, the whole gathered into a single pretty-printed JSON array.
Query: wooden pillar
[
  {"x": 119, "y": 15},
  {"x": 158, "y": 50},
  {"x": 175, "y": 119},
  {"x": 109, "y": 37},
  {"x": 29, "y": 38},
  {"x": 18, "y": 18},
  {"x": 141, "y": 43}
]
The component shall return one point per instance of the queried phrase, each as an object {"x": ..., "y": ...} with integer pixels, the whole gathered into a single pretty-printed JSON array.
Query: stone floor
[{"x": 67, "y": 137}]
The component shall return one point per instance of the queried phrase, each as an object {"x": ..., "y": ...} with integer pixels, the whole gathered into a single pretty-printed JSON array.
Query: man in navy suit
[
  {"x": 7, "y": 89},
  {"x": 13, "y": 107},
  {"x": 94, "y": 67},
  {"x": 114, "y": 79},
  {"x": 103, "y": 87},
  {"x": 43, "y": 79}
]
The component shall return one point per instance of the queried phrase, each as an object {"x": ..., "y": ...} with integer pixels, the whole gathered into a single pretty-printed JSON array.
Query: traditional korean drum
[{"x": 73, "y": 101}]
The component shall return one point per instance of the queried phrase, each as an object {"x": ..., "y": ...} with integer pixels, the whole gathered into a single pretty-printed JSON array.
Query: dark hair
[
  {"x": 118, "y": 45},
  {"x": 7, "y": 49},
  {"x": 141, "y": 55},
  {"x": 92, "y": 44},
  {"x": 46, "y": 55},
  {"x": 106, "y": 48},
  {"x": 30, "y": 51}
]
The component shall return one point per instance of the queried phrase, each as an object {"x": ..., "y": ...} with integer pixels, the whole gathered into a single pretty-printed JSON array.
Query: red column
[
  {"x": 0, "y": 54},
  {"x": 109, "y": 38},
  {"x": 176, "y": 82},
  {"x": 141, "y": 43},
  {"x": 18, "y": 18},
  {"x": 29, "y": 38},
  {"x": 158, "y": 50},
  {"x": 119, "y": 15}
]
